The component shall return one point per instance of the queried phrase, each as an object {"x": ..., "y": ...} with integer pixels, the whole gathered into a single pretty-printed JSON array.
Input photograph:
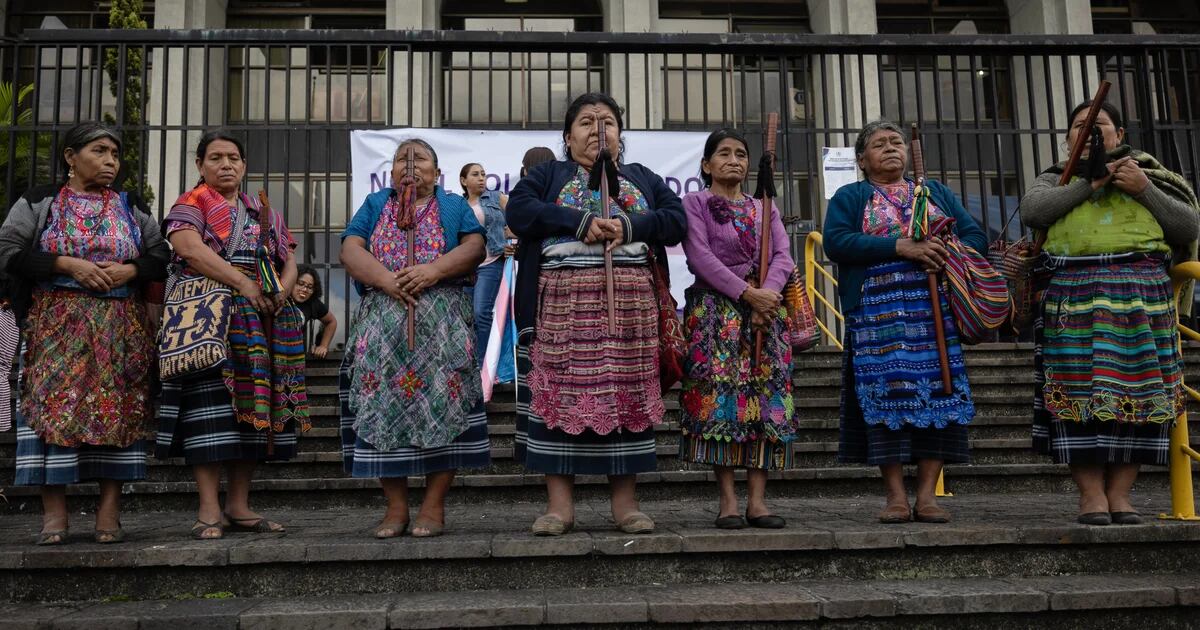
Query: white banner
[{"x": 675, "y": 155}]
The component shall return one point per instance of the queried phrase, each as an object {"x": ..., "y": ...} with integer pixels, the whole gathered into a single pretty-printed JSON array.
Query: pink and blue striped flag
[{"x": 504, "y": 327}]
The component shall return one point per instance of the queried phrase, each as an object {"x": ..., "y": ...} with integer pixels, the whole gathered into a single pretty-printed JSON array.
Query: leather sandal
[
  {"x": 200, "y": 527},
  {"x": 931, "y": 514},
  {"x": 109, "y": 536},
  {"x": 390, "y": 530},
  {"x": 259, "y": 525},
  {"x": 432, "y": 529},
  {"x": 896, "y": 513},
  {"x": 551, "y": 525},
  {"x": 52, "y": 538},
  {"x": 636, "y": 523}
]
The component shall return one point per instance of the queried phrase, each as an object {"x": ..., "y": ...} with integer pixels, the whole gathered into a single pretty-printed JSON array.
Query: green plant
[{"x": 24, "y": 156}]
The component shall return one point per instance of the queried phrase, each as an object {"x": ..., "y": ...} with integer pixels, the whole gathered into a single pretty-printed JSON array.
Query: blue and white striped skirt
[
  {"x": 471, "y": 449},
  {"x": 41, "y": 464},
  {"x": 197, "y": 422}
]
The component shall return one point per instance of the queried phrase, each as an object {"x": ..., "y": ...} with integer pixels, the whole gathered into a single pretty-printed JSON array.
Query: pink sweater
[{"x": 717, "y": 260}]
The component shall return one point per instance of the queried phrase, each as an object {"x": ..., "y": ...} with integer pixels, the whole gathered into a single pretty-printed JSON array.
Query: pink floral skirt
[{"x": 585, "y": 376}]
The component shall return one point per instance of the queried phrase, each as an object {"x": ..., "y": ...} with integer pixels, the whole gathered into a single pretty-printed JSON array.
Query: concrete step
[
  {"x": 1113, "y": 600},
  {"x": 490, "y": 488},
  {"x": 330, "y": 551}
]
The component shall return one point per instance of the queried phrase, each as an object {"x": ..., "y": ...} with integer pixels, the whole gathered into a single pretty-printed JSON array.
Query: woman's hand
[
  {"x": 413, "y": 280},
  {"x": 759, "y": 321},
  {"x": 389, "y": 283},
  {"x": 89, "y": 275},
  {"x": 119, "y": 274},
  {"x": 320, "y": 351},
  {"x": 279, "y": 300},
  {"x": 614, "y": 232},
  {"x": 595, "y": 233},
  {"x": 251, "y": 291},
  {"x": 764, "y": 302},
  {"x": 930, "y": 253},
  {"x": 1129, "y": 177}
]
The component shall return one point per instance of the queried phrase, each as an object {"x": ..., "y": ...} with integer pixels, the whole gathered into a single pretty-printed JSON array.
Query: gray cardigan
[
  {"x": 1046, "y": 202},
  {"x": 25, "y": 264}
]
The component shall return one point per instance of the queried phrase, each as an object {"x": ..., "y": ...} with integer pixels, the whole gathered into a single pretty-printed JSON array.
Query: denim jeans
[{"x": 483, "y": 299}]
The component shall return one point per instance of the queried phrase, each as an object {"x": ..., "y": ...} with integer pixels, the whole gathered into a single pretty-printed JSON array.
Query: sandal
[
  {"x": 259, "y": 525},
  {"x": 109, "y": 536},
  {"x": 51, "y": 538},
  {"x": 551, "y": 525},
  {"x": 382, "y": 531},
  {"x": 200, "y": 527},
  {"x": 431, "y": 528},
  {"x": 931, "y": 514},
  {"x": 636, "y": 523}
]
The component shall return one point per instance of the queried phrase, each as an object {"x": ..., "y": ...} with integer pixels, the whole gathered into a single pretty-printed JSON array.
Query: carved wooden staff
[
  {"x": 270, "y": 288},
  {"x": 606, "y": 212},
  {"x": 408, "y": 221},
  {"x": 764, "y": 237},
  {"x": 1085, "y": 135},
  {"x": 921, "y": 205}
]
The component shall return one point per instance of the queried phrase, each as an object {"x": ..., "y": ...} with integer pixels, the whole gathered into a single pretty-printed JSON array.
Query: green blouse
[{"x": 1108, "y": 222}]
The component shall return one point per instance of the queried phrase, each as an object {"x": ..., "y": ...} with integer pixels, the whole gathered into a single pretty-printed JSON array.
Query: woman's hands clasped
[
  {"x": 930, "y": 253},
  {"x": 408, "y": 283},
  {"x": 609, "y": 230}
]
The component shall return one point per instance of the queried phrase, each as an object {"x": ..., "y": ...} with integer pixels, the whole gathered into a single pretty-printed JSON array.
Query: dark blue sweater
[
  {"x": 533, "y": 215},
  {"x": 853, "y": 251}
]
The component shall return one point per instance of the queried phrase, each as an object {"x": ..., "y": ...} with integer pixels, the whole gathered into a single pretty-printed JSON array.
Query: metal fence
[{"x": 992, "y": 109}]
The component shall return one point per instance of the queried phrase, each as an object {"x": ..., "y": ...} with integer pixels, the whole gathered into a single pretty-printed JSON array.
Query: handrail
[
  {"x": 1181, "y": 454},
  {"x": 811, "y": 268}
]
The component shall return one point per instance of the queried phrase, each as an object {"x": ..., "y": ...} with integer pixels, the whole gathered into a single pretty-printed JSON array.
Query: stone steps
[
  {"x": 1118, "y": 600},
  {"x": 329, "y": 552}
]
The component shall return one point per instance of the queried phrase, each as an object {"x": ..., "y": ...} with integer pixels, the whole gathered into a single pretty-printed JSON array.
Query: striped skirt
[
  {"x": 42, "y": 464},
  {"x": 197, "y": 422},
  {"x": 735, "y": 412},
  {"x": 1108, "y": 375},
  {"x": 893, "y": 409}
]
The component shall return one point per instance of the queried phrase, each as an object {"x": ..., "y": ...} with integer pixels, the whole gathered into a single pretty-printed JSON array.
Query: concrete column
[
  {"x": 174, "y": 167},
  {"x": 644, "y": 75},
  {"x": 843, "y": 75},
  {"x": 1060, "y": 17},
  {"x": 423, "y": 107}
]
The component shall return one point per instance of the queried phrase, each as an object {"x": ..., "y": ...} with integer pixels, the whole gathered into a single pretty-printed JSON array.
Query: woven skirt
[
  {"x": 197, "y": 422},
  {"x": 1108, "y": 373},
  {"x": 893, "y": 409},
  {"x": 588, "y": 397},
  {"x": 735, "y": 412},
  {"x": 414, "y": 412}
]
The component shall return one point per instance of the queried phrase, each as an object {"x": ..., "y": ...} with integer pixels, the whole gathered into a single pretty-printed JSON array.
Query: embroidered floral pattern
[{"x": 94, "y": 227}]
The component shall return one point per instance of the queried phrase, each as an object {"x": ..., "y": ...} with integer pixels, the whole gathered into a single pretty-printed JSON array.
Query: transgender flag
[{"x": 504, "y": 328}]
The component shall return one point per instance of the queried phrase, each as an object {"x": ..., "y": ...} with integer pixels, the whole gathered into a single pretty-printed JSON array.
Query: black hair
[
  {"x": 301, "y": 271},
  {"x": 212, "y": 135},
  {"x": 871, "y": 128},
  {"x": 1114, "y": 114},
  {"x": 710, "y": 147},
  {"x": 592, "y": 98},
  {"x": 419, "y": 142},
  {"x": 83, "y": 134},
  {"x": 463, "y": 173}
]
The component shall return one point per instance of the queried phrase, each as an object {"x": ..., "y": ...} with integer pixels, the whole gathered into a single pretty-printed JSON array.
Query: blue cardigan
[
  {"x": 853, "y": 251},
  {"x": 456, "y": 216},
  {"x": 534, "y": 215}
]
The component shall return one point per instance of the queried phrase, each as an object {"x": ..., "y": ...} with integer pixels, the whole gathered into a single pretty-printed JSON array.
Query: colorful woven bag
[
  {"x": 978, "y": 294},
  {"x": 801, "y": 320},
  {"x": 672, "y": 345}
]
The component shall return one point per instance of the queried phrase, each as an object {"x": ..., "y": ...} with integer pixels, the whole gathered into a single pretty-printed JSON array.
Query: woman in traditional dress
[
  {"x": 420, "y": 411},
  {"x": 894, "y": 411},
  {"x": 588, "y": 396},
  {"x": 1109, "y": 378},
  {"x": 254, "y": 408},
  {"x": 735, "y": 413},
  {"x": 488, "y": 206},
  {"x": 307, "y": 297},
  {"x": 79, "y": 254}
]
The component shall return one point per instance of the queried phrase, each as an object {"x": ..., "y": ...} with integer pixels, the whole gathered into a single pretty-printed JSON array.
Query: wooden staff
[
  {"x": 605, "y": 212},
  {"x": 764, "y": 237},
  {"x": 411, "y": 194},
  {"x": 1085, "y": 135},
  {"x": 939, "y": 327},
  {"x": 268, "y": 319}
]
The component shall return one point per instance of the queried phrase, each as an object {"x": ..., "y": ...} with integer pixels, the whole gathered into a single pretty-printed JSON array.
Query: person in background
[
  {"x": 307, "y": 296},
  {"x": 488, "y": 206}
]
